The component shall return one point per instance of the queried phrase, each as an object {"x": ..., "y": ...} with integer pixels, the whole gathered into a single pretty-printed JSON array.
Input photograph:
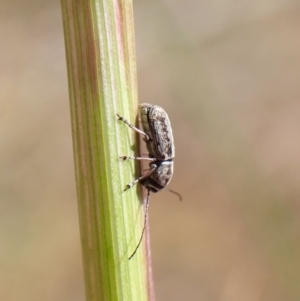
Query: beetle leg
[
  {"x": 137, "y": 158},
  {"x": 133, "y": 127},
  {"x": 128, "y": 186}
]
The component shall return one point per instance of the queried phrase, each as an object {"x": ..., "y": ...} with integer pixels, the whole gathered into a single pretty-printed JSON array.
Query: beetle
[{"x": 158, "y": 136}]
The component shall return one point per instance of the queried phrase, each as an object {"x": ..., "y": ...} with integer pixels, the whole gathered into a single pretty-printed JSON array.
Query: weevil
[{"x": 158, "y": 136}]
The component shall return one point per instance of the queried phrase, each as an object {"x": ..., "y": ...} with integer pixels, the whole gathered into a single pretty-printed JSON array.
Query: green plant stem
[{"x": 99, "y": 39}]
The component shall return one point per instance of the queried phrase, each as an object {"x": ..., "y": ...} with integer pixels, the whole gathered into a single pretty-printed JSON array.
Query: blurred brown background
[{"x": 228, "y": 73}]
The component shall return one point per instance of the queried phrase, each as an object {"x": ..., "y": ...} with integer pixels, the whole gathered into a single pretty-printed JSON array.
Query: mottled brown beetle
[{"x": 159, "y": 140}]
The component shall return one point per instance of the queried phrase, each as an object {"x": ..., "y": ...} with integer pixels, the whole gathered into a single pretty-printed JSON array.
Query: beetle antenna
[
  {"x": 178, "y": 194},
  {"x": 144, "y": 227}
]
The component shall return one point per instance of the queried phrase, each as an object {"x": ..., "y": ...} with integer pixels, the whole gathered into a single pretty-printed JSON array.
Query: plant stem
[{"x": 99, "y": 39}]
